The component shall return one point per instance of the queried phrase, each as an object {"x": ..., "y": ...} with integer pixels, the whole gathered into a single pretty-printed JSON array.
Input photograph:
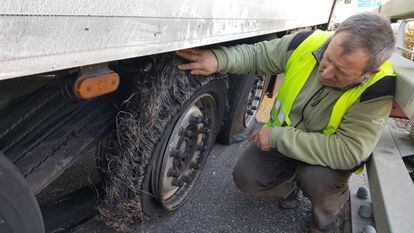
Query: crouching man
[{"x": 328, "y": 115}]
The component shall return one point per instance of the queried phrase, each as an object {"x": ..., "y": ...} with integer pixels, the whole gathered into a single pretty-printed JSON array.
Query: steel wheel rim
[
  {"x": 253, "y": 101},
  {"x": 186, "y": 151}
]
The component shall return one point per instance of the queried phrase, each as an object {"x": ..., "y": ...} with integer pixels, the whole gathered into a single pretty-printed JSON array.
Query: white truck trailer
[{"x": 74, "y": 74}]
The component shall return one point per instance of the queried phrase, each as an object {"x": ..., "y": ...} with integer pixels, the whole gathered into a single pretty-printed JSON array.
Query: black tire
[
  {"x": 153, "y": 161},
  {"x": 236, "y": 127},
  {"x": 19, "y": 209}
]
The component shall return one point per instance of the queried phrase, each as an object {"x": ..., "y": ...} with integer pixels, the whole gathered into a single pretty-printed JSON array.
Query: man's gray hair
[{"x": 370, "y": 32}]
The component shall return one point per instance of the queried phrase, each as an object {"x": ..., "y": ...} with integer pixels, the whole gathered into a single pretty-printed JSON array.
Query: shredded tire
[{"x": 157, "y": 96}]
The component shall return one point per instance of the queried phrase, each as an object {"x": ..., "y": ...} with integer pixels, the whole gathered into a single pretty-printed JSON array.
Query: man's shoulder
[
  {"x": 385, "y": 87},
  {"x": 298, "y": 38}
]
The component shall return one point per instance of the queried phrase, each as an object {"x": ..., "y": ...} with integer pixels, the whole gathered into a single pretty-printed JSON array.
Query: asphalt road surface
[{"x": 216, "y": 205}]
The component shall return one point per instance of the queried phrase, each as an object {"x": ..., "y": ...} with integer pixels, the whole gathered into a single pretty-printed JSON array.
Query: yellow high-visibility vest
[{"x": 298, "y": 69}]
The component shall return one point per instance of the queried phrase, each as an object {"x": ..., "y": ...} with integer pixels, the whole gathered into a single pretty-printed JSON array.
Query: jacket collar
[{"x": 318, "y": 53}]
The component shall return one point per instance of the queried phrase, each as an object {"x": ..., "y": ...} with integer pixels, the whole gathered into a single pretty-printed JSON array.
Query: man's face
[{"x": 340, "y": 70}]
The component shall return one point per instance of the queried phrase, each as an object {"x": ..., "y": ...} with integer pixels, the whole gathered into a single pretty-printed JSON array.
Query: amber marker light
[{"x": 87, "y": 87}]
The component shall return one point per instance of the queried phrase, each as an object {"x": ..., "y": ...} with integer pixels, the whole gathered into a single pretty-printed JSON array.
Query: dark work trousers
[{"x": 273, "y": 175}]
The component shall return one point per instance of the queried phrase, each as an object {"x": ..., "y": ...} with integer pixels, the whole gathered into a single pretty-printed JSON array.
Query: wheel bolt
[
  {"x": 205, "y": 131},
  {"x": 188, "y": 133},
  {"x": 176, "y": 153},
  {"x": 195, "y": 166},
  {"x": 181, "y": 132},
  {"x": 177, "y": 182},
  {"x": 173, "y": 173},
  {"x": 206, "y": 121},
  {"x": 187, "y": 179},
  {"x": 196, "y": 119},
  {"x": 253, "y": 108},
  {"x": 250, "y": 112},
  {"x": 201, "y": 148},
  {"x": 257, "y": 98}
]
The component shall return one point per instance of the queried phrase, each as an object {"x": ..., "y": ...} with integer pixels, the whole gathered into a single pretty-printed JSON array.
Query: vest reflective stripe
[
  {"x": 298, "y": 69},
  {"x": 279, "y": 114}
]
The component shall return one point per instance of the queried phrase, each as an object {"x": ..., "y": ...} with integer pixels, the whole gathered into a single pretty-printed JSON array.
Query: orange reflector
[{"x": 87, "y": 87}]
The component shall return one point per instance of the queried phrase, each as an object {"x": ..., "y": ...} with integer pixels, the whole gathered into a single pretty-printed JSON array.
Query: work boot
[
  {"x": 285, "y": 204},
  {"x": 291, "y": 201},
  {"x": 342, "y": 223},
  {"x": 343, "y": 220}
]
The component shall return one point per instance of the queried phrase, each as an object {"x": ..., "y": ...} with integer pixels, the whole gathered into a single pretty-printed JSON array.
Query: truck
[{"x": 100, "y": 78}]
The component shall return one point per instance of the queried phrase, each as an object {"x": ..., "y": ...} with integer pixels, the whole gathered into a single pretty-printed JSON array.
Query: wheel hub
[
  {"x": 186, "y": 152},
  {"x": 253, "y": 101}
]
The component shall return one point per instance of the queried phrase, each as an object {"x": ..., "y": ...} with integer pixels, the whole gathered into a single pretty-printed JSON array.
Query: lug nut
[
  {"x": 187, "y": 179},
  {"x": 205, "y": 130},
  {"x": 176, "y": 154},
  {"x": 201, "y": 148},
  {"x": 196, "y": 119},
  {"x": 181, "y": 132},
  {"x": 177, "y": 182},
  {"x": 188, "y": 133},
  {"x": 195, "y": 166},
  {"x": 206, "y": 121},
  {"x": 173, "y": 173},
  {"x": 192, "y": 119}
]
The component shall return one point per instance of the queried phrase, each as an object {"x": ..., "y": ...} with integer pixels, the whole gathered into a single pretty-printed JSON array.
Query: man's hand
[
  {"x": 203, "y": 62},
  {"x": 261, "y": 138}
]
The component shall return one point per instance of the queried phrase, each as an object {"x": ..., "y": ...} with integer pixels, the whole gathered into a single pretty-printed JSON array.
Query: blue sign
[{"x": 369, "y": 3}]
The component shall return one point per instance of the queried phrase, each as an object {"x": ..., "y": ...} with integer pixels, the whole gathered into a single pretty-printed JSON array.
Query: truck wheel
[
  {"x": 19, "y": 209},
  {"x": 163, "y": 138},
  {"x": 246, "y": 94},
  {"x": 182, "y": 153}
]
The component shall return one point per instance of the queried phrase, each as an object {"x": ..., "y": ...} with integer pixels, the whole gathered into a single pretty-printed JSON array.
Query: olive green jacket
[{"x": 360, "y": 128}]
